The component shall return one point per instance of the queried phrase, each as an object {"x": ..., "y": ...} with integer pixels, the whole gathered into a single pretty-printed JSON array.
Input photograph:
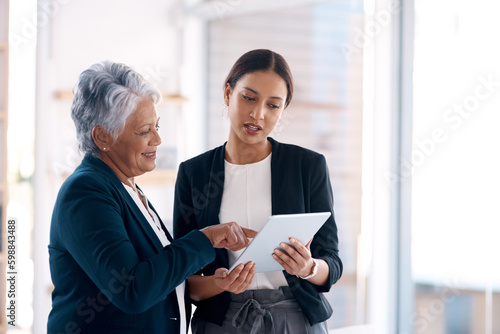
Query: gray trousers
[{"x": 261, "y": 312}]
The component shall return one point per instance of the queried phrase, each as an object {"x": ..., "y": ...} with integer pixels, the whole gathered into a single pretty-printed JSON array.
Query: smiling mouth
[{"x": 150, "y": 155}]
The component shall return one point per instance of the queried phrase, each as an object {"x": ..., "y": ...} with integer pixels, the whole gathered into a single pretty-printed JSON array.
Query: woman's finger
[
  {"x": 225, "y": 280},
  {"x": 249, "y": 233},
  {"x": 248, "y": 279},
  {"x": 244, "y": 278},
  {"x": 291, "y": 251},
  {"x": 238, "y": 237},
  {"x": 281, "y": 258},
  {"x": 299, "y": 247},
  {"x": 243, "y": 234},
  {"x": 308, "y": 246}
]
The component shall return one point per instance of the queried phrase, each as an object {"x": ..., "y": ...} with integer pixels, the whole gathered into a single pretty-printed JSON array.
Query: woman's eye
[
  {"x": 157, "y": 127},
  {"x": 144, "y": 133},
  {"x": 248, "y": 98},
  {"x": 274, "y": 106}
]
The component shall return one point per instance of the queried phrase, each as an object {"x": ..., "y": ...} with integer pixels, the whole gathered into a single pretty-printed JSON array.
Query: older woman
[{"x": 114, "y": 266}]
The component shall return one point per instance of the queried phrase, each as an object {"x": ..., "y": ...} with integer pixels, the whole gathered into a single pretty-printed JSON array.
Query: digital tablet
[{"x": 279, "y": 228}]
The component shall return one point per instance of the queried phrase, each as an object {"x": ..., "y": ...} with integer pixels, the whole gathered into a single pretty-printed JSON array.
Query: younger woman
[{"x": 246, "y": 180}]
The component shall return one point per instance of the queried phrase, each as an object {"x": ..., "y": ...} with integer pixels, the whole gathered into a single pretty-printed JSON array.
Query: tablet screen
[{"x": 279, "y": 228}]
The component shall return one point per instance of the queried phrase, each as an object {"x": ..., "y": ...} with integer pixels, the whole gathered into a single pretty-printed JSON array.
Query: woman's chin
[
  {"x": 148, "y": 168},
  {"x": 253, "y": 139}
]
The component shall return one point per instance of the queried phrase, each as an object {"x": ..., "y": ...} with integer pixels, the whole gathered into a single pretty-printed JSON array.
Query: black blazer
[
  {"x": 110, "y": 272},
  {"x": 300, "y": 184}
]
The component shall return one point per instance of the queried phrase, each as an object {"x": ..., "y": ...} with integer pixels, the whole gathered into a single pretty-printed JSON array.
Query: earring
[
  {"x": 225, "y": 112},
  {"x": 277, "y": 129},
  {"x": 104, "y": 148}
]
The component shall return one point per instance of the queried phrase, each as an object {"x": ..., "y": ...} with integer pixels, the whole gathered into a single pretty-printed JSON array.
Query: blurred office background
[{"x": 401, "y": 96}]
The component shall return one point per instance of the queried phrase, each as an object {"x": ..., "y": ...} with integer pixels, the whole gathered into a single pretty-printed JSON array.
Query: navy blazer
[
  {"x": 110, "y": 272},
  {"x": 300, "y": 183}
]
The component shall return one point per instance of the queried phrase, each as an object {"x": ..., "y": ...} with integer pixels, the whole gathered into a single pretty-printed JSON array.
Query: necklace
[{"x": 144, "y": 201}]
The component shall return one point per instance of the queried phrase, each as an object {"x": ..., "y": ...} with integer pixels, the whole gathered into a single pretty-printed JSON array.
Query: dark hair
[{"x": 262, "y": 60}]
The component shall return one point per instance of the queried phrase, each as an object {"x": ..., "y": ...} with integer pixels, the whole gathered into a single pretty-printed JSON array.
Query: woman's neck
[
  {"x": 240, "y": 153},
  {"x": 129, "y": 181}
]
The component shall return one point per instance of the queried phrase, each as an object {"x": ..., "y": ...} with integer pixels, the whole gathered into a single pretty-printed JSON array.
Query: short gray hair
[{"x": 106, "y": 95}]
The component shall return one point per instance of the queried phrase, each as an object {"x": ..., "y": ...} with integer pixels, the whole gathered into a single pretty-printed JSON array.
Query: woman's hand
[
  {"x": 229, "y": 235},
  {"x": 295, "y": 260},
  {"x": 238, "y": 280},
  {"x": 204, "y": 287}
]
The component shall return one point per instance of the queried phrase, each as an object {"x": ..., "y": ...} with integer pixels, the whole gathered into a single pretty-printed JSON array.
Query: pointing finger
[{"x": 249, "y": 232}]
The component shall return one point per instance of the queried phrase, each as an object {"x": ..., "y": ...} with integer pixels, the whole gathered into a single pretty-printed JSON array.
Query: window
[{"x": 455, "y": 165}]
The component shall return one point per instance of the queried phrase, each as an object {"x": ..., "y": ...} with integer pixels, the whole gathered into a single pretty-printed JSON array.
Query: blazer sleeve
[
  {"x": 91, "y": 226},
  {"x": 325, "y": 242}
]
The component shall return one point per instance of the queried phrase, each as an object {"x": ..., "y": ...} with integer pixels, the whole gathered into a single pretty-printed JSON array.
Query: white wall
[{"x": 139, "y": 34}]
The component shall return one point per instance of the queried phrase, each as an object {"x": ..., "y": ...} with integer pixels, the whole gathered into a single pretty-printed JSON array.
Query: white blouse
[
  {"x": 247, "y": 200},
  {"x": 154, "y": 221}
]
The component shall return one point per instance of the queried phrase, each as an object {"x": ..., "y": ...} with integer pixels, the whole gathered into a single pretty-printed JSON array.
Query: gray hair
[{"x": 106, "y": 95}]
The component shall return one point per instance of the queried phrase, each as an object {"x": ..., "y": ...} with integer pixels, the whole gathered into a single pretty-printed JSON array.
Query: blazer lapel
[
  {"x": 143, "y": 222},
  {"x": 213, "y": 193},
  {"x": 286, "y": 181},
  {"x": 276, "y": 177},
  {"x": 169, "y": 237},
  {"x": 215, "y": 187}
]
